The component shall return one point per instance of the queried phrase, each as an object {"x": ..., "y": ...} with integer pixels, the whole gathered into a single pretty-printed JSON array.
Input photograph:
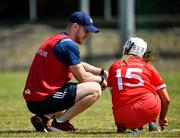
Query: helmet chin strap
[{"x": 127, "y": 50}]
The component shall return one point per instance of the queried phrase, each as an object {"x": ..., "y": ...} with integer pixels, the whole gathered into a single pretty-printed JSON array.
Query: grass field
[{"x": 97, "y": 121}]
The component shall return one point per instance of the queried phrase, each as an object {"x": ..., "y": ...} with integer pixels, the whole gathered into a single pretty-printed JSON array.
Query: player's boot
[
  {"x": 64, "y": 126},
  {"x": 140, "y": 128},
  {"x": 134, "y": 131},
  {"x": 121, "y": 129},
  {"x": 40, "y": 123},
  {"x": 153, "y": 126}
]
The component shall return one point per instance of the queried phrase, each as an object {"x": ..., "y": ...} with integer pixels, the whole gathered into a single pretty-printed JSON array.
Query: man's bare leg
[{"x": 87, "y": 94}]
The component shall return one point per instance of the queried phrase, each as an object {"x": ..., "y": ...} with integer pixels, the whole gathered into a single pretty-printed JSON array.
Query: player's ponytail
[{"x": 149, "y": 56}]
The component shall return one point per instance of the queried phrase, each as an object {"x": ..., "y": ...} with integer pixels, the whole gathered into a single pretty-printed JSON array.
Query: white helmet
[{"x": 135, "y": 46}]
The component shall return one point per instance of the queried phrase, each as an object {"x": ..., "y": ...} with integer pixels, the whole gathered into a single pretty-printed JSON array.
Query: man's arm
[
  {"x": 90, "y": 68},
  {"x": 94, "y": 70},
  {"x": 81, "y": 74}
]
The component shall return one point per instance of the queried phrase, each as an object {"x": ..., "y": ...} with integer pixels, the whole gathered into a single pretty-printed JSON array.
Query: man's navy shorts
[{"x": 61, "y": 100}]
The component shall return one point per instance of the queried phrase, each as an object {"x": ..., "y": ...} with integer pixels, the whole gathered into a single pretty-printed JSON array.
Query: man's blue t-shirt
[{"x": 67, "y": 52}]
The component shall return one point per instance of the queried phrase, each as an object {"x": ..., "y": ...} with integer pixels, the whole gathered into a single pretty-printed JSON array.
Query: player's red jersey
[
  {"x": 130, "y": 82},
  {"x": 47, "y": 74}
]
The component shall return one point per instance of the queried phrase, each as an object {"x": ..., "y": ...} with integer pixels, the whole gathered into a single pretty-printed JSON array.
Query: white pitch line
[{"x": 175, "y": 130}]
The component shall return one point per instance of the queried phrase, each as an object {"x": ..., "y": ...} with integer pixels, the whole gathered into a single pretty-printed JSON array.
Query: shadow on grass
[
  {"x": 77, "y": 132},
  {"x": 94, "y": 133},
  {"x": 105, "y": 132},
  {"x": 80, "y": 133},
  {"x": 16, "y": 131}
]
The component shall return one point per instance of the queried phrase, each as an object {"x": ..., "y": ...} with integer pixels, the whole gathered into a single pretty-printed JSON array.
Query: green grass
[{"x": 97, "y": 121}]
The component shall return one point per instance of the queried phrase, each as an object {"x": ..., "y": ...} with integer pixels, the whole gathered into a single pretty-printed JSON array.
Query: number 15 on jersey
[{"x": 130, "y": 74}]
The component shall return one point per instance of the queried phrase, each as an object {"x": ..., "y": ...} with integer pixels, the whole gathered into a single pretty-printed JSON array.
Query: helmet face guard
[{"x": 135, "y": 46}]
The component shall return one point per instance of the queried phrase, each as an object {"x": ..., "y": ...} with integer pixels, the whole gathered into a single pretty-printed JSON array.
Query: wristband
[
  {"x": 102, "y": 79},
  {"x": 102, "y": 72}
]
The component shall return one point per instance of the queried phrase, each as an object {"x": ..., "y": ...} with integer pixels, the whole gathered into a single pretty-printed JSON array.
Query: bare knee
[
  {"x": 97, "y": 93},
  {"x": 89, "y": 88}
]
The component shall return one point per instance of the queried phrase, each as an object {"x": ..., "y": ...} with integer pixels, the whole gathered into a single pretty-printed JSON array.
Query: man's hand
[
  {"x": 104, "y": 85},
  {"x": 105, "y": 74}
]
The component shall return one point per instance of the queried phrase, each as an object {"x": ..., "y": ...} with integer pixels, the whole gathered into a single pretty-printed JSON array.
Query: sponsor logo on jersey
[
  {"x": 42, "y": 52},
  {"x": 27, "y": 91}
]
